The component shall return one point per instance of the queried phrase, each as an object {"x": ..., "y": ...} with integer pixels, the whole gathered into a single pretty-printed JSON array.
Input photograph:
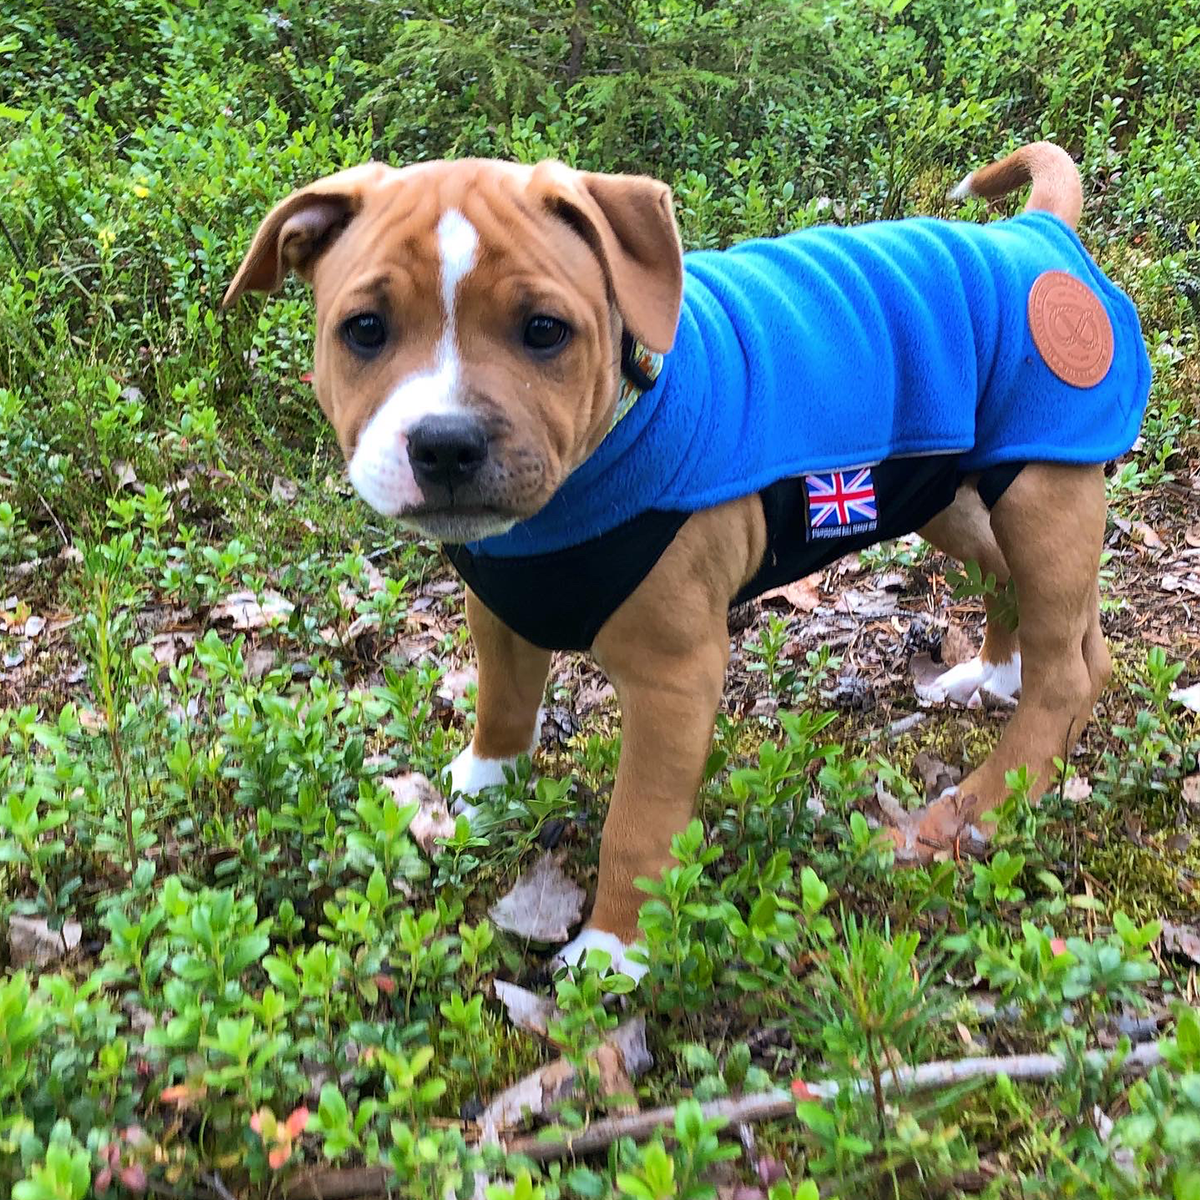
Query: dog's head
[{"x": 469, "y": 317}]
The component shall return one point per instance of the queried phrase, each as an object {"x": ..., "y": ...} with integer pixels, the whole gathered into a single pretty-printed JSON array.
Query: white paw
[
  {"x": 975, "y": 681},
  {"x": 468, "y": 774},
  {"x": 598, "y": 939}
]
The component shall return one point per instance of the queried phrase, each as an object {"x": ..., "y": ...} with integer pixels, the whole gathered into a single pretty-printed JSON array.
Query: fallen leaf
[
  {"x": 801, "y": 595},
  {"x": 1189, "y": 697},
  {"x": 542, "y": 905},
  {"x": 259, "y": 661},
  {"x": 592, "y": 695},
  {"x": 770, "y": 1170},
  {"x": 1180, "y": 583},
  {"x": 868, "y": 605},
  {"x": 621, "y": 1059},
  {"x": 31, "y": 941},
  {"x": 531, "y": 1096},
  {"x": 246, "y": 611},
  {"x": 126, "y": 475},
  {"x": 1190, "y": 791},
  {"x": 1148, "y": 536},
  {"x": 925, "y": 674},
  {"x": 957, "y": 646},
  {"x": 1192, "y": 536},
  {"x": 936, "y": 776},
  {"x": 34, "y": 626},
  {"x": 1077, "y": 788},
  {"x": 283, "y": 491},
  {"x": 1181, "y": 939},
  {"x": 526, "y": 1010},
  {"x": 433, "y": 819},
  {"x": 454, "y": 684}
]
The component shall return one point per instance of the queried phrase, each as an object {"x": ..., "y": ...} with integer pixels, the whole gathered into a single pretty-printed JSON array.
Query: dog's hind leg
[
  {"x": 1049, "y": 526},
  {"x": 964, "y": 532},
  {"x": 512, "y": 681}
]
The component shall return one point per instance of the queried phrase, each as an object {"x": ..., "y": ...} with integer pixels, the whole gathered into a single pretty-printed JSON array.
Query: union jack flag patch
[{"x": 841, "y": 503}]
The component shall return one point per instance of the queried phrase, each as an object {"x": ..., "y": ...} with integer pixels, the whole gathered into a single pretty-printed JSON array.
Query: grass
[{"x": 267, "y": 974}]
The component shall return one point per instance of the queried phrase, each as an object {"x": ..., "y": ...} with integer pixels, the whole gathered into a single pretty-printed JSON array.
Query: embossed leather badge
[{"x": 1070, "y": 328}]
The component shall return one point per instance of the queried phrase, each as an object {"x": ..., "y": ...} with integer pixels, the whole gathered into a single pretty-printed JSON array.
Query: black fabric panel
[
  {"x": 559, "y": 601},
  {"x": 994, "y": 482},
  {"x": 908, "y": 492}
]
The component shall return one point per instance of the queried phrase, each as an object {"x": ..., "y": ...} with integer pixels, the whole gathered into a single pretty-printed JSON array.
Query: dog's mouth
[{"x": 459, "y": 522}]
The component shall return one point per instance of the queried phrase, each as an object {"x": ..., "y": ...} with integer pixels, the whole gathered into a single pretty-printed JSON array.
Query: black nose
[{"x": 447, "y": 449}]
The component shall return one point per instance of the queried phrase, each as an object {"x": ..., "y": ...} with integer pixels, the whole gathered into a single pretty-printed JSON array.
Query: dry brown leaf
[
  {"x": 957, "y": 646},
  {"x": 247, "y": 611},
  {"x": 31, "y": 941},
  {"x": 1181, "y": 939},
  {"x": 1192, "y": 536},
  {"x": 801, "y": 595},
  {"x": 433, "y": 819},
  {"x": 542, "y": 905},
  {"x": 1148, "y": 536},
  {"x": 1190, "y": 791}
]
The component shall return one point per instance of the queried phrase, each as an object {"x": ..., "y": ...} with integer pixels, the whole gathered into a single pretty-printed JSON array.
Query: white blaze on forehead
[
  {"x": 457, "y": 241},
  {"x": 380, "y": 470}
]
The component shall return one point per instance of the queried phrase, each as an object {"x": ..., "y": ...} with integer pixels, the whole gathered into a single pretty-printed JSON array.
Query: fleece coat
[{"x": 834, "y": 348}]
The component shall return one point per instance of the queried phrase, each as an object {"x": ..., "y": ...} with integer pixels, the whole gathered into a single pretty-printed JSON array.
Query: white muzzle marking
[{"x": 380, "y": 470}]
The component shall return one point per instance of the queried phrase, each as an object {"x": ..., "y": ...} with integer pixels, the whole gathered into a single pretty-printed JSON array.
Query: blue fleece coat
[{"x": 832, "y": 348}]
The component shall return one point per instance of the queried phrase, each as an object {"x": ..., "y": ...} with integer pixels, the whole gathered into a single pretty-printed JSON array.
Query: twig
[
  {"x": 62, "y": 533},
  {"x": 214, "y": 1184},
  {"x": 765, "y": 1106},
  {"x": 339, "y": 1184},
  {"x": 896, "y": 728}
]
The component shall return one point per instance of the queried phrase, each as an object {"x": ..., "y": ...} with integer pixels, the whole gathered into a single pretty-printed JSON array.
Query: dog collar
[{"x": 640, "y": 369}]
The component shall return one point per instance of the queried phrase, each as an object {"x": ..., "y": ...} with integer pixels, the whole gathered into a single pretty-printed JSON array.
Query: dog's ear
[
  {"x": 299, "y": 229},
  {"x": 630, "y": 224}
]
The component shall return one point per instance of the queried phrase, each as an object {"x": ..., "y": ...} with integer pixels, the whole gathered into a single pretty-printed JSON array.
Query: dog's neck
[{"x": 640, "y": 369}]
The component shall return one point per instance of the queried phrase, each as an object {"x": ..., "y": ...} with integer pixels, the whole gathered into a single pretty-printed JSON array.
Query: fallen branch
[
  {"x": 765, "y": 1106},
  {"x": 340, "y": 1183}
]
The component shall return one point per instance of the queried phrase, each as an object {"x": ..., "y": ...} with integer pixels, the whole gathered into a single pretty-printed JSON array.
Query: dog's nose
[{"x": 448, "y": 448}]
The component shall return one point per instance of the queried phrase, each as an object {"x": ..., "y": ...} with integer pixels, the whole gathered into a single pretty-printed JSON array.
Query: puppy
[{"x": 615, "y": 441}]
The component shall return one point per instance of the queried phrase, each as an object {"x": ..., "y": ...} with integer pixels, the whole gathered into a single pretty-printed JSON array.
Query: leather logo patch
[{"x": 1070, "y": 328}]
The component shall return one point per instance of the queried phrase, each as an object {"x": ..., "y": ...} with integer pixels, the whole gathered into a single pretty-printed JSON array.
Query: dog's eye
[
  {"x": 545, "y": 334},
  {"x": 364, "y": 332}
]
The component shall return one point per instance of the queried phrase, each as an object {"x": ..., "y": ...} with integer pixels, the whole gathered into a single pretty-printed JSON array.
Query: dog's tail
[{"x": 1055, "y": 178}]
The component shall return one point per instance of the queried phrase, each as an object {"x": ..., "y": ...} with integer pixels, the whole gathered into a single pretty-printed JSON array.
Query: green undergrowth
[{"x": 268, "y": 975}]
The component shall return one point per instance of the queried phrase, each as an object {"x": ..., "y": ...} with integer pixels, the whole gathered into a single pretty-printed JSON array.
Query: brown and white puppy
[{"x": 444, "y": 292}]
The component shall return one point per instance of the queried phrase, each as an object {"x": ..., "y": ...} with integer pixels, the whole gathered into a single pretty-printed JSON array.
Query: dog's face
[{"x": 469, "y": 317}]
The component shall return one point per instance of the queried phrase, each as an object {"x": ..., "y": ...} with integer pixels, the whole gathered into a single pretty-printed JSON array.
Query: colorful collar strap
[{"x": 640, "y": 368}]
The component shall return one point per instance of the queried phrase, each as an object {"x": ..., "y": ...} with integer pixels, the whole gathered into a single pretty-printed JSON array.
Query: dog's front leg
[
  {"x": 665, "y": 650},
  {"x": 512, "y": 681}
]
